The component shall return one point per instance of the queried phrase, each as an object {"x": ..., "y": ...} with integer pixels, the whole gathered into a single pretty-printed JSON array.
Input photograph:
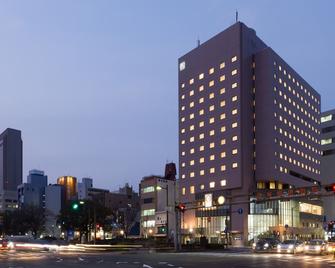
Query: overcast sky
[{"x": 93, "y": 84}]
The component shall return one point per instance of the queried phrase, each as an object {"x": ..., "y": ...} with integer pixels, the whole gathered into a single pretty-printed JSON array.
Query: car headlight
[
  {"x": 306, "y": 247},
  {"x": 279, "y": 246},
  {"x": 253, "y": 245},
  {"x": 330, "y": 248},
  {"x": 290, "y": 246},
  {"x": 318, "y": 248},
  {"x": 266, "y": 245},
  {"x": 10, "y": 245}
]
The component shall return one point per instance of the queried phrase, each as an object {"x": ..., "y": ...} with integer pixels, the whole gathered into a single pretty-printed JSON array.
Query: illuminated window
[
  {"x": 234, "y": 138},
  {"x": 201, "y": 148},
  {"x": 201, "y": 136},
  {"x": 212, "y": 157},
  {"x": 234, "y": 111},
  {"x": 233, "y": 72},
  {"x": 212, "y": 184},
  {"x": 211, "y": 70},
  {"x": 183, "y": 191},
  {"x": 183, "y": 153},
  {"x": 192, "y": 163},
  {"x": 211, "y": 96},
  {"x": 234, "y": 125},
  {"x": 202, "y": 160},
  {"x": 326, "y": 118},
  {"x": 192, "y": 151},
  {"x": 233, "y": 59},
  {"x": 192, "y": 174},
  {"x": 201, "y": 100},
  {"x": 202, "y": 172},
  {"x": 234, "y": 85},
  {"x": 223, "y": 183},
  {"x": 222, "y": 103},
  {"x": 222, "y": 116},
  {"x": 223, "y": 167},
  {"x": 201, "y": 112},
  {"x": 192, "y": 127},
  {"x": 223, "y": 129},
  {"x": 201, "y": 124},
  {"x": 182, "y": 130},
  {"x": 191, "y": 81},
  {"x": 191, "y": 116},
  {"x": 212, "y": 133},
  {"x": 326, "y": 141},
  {"x": 192, "y": 139},
  {"x": 223, "y": 154},
  {"x": 211, "y": 108},
  {"x": 182, "y": 108},
  {"x": 272, "y": 185},
  {"x": 222, "y": 65},
  {"x": 222, "y": 90},
  {"x": 201, "y": 88},
  {"x": 223, "y": 141},
  {"x": 260, "y": 185},
  {"x": 211, "y": 83},
  {"x": 212, "y": 170},
  {"x": 212, "y": 145},
  {"x": 222, "y": 78},
  {"x": 182, "y": 96},
  {"x": 183, "y": 142},
  {"x": 182, "y": 85},
  {"x": 211, "y": 120},
  {"x": 192, "y": 189},
  {"x": 234, "y": 165},
  {"x": 202, "y": 186},
  {"x": 201, "y": 76},
  {"x": 192, "y": 104},
  {"x": 234, "y": 151},
  {"x": 182, "y": 119},
  {"x": 234, "y": 98}
]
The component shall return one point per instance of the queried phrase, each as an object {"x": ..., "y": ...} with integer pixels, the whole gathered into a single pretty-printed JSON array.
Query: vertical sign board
[{"x": 208, "y": 200}]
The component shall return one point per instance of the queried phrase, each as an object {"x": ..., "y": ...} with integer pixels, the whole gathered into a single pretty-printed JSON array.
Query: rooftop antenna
[
  {"x": 236, "y": 16},
  {"x": 198, "y": 42}
]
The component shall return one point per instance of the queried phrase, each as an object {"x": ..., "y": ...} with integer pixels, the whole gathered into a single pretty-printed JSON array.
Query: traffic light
[
  {"x": 330, "y": 188},
  {"x": 181, "y": 207},
  {"x": 75, "y": 206}
]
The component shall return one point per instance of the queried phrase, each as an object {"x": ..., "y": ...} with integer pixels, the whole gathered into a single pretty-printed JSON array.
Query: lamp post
[{"x": 167, "y": 207}]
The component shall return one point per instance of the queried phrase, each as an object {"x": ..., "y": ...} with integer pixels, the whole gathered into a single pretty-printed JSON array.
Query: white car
[
  {"x": 316, "y": 246},
  {"x": 291, "y": 246}
]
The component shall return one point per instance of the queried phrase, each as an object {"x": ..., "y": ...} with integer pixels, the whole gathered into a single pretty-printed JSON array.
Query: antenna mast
[{"x": 236, "y": 16}]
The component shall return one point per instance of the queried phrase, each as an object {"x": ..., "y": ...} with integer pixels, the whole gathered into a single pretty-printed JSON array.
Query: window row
[
  {"x": 295, "y": 81},
  {"x": 211, "y": 185}
]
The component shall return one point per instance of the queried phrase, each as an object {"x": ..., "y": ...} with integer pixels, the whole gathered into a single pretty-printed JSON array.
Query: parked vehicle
[
  {"x": 331, "y": 244},
  {"x": 266, "y": 245},
  {"x": 291, "y": 246},
  {"x": 316, "y": 246},
  {"x": 3, "y": 243}
]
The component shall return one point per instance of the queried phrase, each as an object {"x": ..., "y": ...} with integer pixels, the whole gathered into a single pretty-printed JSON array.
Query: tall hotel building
[{"x": 247, "y": 122}]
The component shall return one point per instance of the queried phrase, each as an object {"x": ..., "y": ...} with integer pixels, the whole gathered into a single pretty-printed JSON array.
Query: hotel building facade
[{"x": 247, "y": 123}]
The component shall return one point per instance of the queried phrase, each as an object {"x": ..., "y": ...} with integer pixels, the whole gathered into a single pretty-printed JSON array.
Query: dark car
[{"x": 266, "y": 245}]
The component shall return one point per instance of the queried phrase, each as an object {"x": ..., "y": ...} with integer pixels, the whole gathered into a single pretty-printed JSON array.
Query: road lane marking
[{"x": 146, "y": 266}]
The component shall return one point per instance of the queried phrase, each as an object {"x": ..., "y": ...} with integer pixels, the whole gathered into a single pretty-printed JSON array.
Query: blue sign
[{"x": 240, "y": 211}]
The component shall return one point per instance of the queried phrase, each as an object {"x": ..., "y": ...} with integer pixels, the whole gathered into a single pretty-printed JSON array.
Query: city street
[{"x": 149, "y": 259}]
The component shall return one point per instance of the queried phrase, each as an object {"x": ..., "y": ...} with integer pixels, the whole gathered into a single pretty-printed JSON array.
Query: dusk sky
[{"x": 92, "y": 85}]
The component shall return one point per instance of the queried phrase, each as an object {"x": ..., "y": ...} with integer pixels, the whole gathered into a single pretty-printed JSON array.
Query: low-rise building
[{"x": 158, "y": 200}]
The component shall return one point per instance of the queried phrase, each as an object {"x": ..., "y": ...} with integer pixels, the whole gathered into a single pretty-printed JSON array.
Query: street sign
[
  {"x": 208, "y": 200},
  {"x": 240, "y": 211}
]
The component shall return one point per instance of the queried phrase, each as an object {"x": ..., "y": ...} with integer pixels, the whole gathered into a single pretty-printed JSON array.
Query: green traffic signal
[{"x": 75, "y": 206}]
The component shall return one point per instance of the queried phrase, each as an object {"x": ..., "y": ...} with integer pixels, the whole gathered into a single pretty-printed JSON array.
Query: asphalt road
[{"x": 147, "y": 259}]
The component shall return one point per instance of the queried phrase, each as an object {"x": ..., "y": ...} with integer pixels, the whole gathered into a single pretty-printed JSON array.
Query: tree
[{"x": 28, "y": 219}]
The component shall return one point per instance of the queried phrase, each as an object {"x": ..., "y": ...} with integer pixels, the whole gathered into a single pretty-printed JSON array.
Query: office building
[
  {"x": 33, "y": 192},
  {"x": 83, "y": 186},
  {"x": 10, "y": 168},
  {"x": 247, "y": 122},
  {"x": 157, "y": 200},
  {"x": 328, "y": 160},
  {"x": 54, "y": 201},
  {"x": 70, "y": 186}
]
